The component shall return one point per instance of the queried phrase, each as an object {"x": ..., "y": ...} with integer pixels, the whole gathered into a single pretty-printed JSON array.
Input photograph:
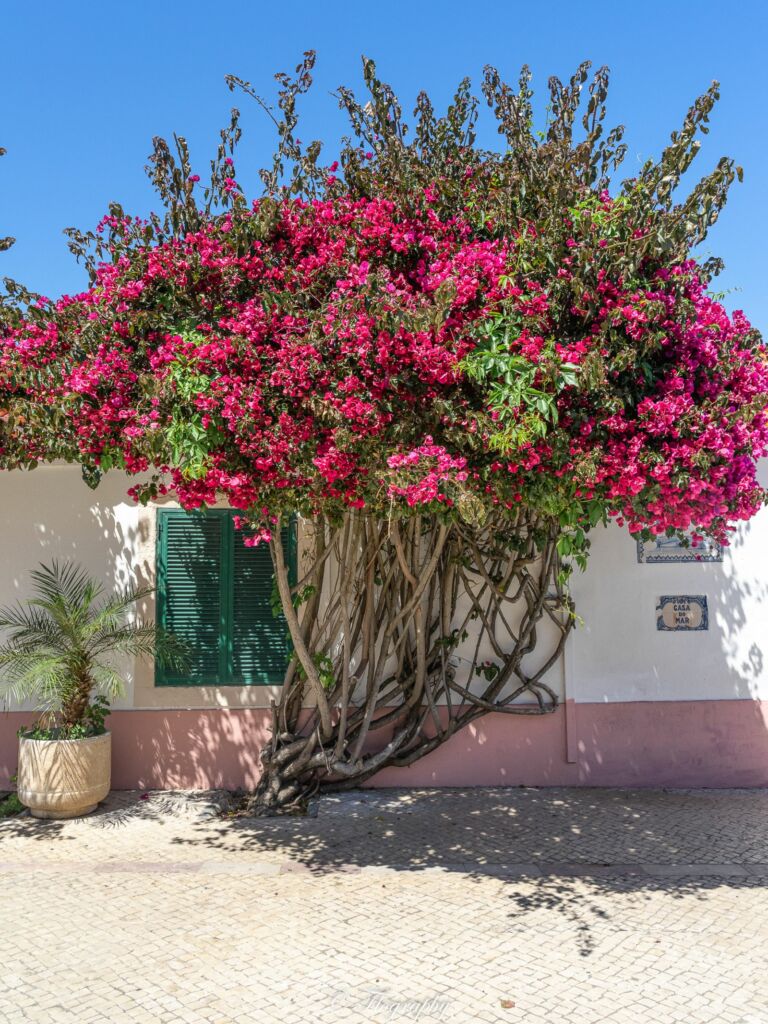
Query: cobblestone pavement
[{"x": 572, "y": 906}]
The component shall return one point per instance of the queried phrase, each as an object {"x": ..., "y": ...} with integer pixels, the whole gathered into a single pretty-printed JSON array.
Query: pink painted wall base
[{"x": 717, "y": 743}]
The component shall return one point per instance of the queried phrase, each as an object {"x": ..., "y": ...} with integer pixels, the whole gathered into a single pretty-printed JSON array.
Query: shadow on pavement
[{"x": 563, "y": 850}]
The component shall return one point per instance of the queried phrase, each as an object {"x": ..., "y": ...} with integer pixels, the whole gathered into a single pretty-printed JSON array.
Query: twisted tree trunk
[{"x": 403, "y": 633}]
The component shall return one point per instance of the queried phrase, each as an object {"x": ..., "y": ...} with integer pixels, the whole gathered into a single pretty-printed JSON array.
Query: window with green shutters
[{"x": 215, "y": 594}]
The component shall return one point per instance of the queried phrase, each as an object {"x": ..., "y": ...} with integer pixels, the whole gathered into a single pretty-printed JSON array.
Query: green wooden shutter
[
  {"x": 260, "y": 646},
  {"x": 215, "y": 594},
  {"x": 190, "y": 548}
]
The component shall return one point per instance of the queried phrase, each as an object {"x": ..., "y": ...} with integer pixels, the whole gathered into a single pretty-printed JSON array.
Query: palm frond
[
  {"x": 60, "y": 642},
  {"x": 111, "y": 613},
  {"x": 34, "y": 676},
  {"x": 67, "y": 582},
  {"x": 142, "y": 638},
  {"x": 31, "y": 626},
  {"x": 108, "y": 681}
]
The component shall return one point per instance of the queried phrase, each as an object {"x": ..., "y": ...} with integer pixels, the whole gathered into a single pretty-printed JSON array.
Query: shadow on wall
[
  {"x": 646, "y": 707},
  {"x": 642, "y": 695},
  {"x": 740, "y": 607},
  {"x": 188, "y": 749},
  {"x": 50, "y": 514}
]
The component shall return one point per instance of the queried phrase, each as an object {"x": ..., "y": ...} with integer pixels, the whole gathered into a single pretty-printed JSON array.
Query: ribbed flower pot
[{"x": 64, "y": 778}]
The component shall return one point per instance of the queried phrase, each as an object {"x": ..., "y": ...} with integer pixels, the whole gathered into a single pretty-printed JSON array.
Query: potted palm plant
[{"x": 61, "y": 653}]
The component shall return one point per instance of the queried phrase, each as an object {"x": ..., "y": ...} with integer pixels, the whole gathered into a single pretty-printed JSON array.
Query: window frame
[{"x": 163, "y": 677}]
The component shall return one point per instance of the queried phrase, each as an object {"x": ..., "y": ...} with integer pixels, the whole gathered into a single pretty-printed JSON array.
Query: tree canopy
[
  {"x": 452, "y": 361},
  {"x": 425, "y": 324}
]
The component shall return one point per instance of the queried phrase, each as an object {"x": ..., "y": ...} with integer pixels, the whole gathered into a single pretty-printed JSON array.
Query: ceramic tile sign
[
  {"x": 673, "y": 549},
  {"x": 682, "y": 613}
]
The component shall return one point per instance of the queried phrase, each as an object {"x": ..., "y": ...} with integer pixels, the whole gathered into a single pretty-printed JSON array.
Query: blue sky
[{"x": 84, "y": 87}]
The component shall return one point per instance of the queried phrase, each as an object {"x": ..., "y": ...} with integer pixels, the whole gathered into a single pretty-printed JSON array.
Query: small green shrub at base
[
  {"x": 10, "y": 805},
  {"x": 92, "y": 724}
]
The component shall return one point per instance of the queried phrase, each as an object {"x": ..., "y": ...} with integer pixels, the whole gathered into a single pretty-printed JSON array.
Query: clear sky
[{"x": 85, "y": 85}]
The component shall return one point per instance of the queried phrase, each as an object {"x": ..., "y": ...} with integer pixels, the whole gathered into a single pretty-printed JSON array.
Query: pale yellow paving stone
[{"x": 384, "y": 924}]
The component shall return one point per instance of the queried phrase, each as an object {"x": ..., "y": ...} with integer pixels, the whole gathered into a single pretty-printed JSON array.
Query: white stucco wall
[
  {"x": 616, "y": 655},
  {"x": 49, "y": 514}
]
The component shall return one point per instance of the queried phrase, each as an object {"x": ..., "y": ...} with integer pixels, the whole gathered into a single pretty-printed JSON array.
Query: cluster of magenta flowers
[{"x": 310, "y": 354}]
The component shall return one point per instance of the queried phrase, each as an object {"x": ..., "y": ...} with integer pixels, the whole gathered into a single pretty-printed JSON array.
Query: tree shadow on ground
[
  {"x": 571, "y": 851},
  {"x": 589, "y": 901},
  {"x": 488, "y": 828},
  {"x": 120, "y": 810},
  {"x": 586, "y": 854}
]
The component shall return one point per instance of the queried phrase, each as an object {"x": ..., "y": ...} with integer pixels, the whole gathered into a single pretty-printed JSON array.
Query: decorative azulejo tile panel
[{"x": 672, "y": 549}]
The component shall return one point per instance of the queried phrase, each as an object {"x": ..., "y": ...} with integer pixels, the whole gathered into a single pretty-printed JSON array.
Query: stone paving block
[{"x": 581, "y": 906}]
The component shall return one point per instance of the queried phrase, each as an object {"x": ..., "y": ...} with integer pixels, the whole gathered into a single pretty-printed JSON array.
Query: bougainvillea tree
[{"x": 449, "y": 363}]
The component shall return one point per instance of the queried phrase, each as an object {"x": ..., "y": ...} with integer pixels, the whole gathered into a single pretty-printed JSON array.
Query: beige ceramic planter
[{"x": 64, "y": 778}]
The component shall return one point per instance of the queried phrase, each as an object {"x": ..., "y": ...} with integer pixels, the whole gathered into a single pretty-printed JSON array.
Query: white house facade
[{"x": 664, "y": 682}]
